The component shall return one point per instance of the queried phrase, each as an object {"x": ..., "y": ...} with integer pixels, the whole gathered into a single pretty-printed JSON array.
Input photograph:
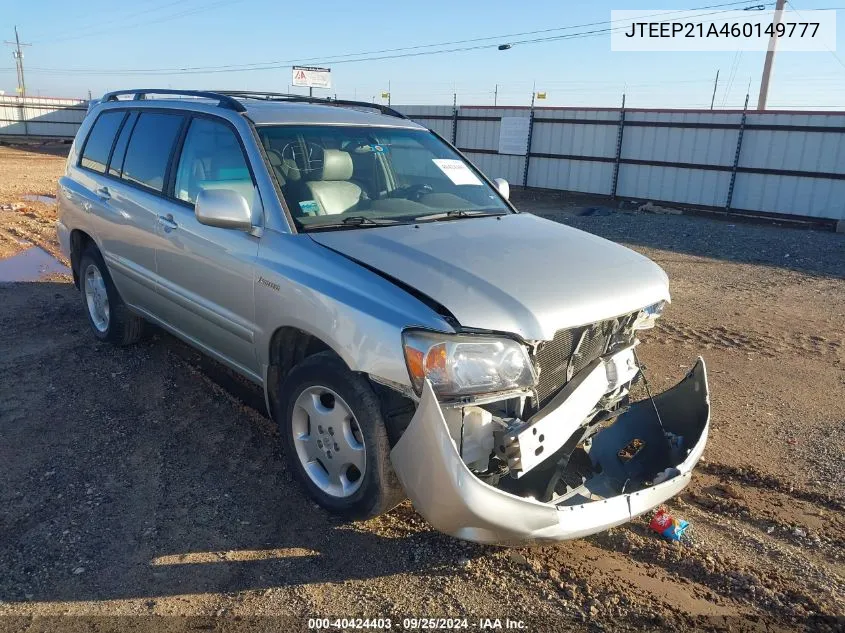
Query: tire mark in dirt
[
  {"x": 824, "y": 544},
  {"x": 763, "y": 344},
  {"x": 721, "y": 574},
  {"x": 752, "y": 477}
]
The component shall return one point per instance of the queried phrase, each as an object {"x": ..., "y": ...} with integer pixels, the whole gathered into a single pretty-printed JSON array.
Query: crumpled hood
[{"x": 517, "y": 273}]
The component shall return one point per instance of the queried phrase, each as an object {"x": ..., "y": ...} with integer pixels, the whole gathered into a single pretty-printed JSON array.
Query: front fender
[{"x": 357, "y": 313}]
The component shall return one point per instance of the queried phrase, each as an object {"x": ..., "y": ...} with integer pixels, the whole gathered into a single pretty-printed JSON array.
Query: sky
[{"x": 101, "y": 45}]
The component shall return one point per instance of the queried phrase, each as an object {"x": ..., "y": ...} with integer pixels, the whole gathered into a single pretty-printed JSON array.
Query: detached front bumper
[{"x": 455, "y": 501}]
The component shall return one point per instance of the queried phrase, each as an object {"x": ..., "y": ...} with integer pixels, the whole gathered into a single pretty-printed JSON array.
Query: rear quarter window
[
  {"x": 119, "y": 151},
  {"x": 148, "y": 152},
  {"x": 98, "y": 146}
]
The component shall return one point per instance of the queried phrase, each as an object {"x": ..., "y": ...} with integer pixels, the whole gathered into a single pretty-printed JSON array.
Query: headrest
[
  {"x": 337, "y": 165},
  {"x": 290, "y": 169},
  {"x": 285, "y": 167}
]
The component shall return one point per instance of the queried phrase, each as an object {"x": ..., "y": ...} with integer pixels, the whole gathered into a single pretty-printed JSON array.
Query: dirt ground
[{"x": 143, "y": 481}]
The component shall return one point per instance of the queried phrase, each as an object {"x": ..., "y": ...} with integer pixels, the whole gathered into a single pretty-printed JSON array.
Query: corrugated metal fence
[
  {"x": 42, "y": 117},
  {"x": 770, "y": 163},
  {"x": 788, "y": 164}
]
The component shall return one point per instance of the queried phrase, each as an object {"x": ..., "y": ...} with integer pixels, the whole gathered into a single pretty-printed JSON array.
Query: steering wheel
[
  {"x": 416, "y": 192},
  {"x": 311, "y": 158}
]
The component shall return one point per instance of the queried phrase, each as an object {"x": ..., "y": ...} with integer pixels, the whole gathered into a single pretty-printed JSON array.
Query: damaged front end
[{"x": 563, "y": 464}]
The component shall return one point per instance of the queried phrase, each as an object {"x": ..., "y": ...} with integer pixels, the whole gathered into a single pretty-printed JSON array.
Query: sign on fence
[
  {"x": 513, "y": 135},
  {"x": 312, "y": 77}
]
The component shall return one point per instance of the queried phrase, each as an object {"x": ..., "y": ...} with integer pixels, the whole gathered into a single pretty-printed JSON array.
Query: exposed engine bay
[
  {"x": 568, "y": 457},
  {"x": 539, "y": 446}
]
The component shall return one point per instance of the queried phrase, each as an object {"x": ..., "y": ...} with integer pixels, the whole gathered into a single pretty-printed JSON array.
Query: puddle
[
  {"x": 30, "y": 265},
  {"x": 31, "y": 197}
]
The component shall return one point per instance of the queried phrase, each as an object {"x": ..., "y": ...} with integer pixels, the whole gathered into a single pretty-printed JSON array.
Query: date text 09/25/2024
[{"x": 414, "y": 624}]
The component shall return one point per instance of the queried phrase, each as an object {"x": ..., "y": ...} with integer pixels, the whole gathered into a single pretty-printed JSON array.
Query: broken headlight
[
  {"x": 465, "y": 364},
  {"x": 648, "y": 316}
]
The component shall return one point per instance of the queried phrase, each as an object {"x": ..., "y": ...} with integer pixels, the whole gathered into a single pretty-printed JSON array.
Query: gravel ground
[{"x": 145, "y": 481}]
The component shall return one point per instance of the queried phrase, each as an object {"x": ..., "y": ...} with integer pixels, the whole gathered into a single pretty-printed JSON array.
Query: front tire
[
  {"x": 109, "y": 317},
  {"x": 334, "y": 438}
]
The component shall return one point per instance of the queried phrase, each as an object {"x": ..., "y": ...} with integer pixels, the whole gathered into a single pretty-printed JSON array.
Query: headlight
[
  {"x": 648, "y": 316},
  {"x": 462, "y": 364}
]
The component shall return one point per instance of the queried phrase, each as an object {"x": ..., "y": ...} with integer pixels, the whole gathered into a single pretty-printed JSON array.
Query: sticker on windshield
[
  {"x": 457, "y": 171},
  {"x": 310, "y": 207}
]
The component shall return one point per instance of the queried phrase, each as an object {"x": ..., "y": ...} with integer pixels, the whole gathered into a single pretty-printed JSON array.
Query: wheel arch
[
  {"x": 288, "y": 347},
  {"x": 79, "y": 241}
]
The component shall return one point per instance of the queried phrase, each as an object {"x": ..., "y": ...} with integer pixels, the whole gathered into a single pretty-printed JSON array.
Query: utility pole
[
  {"x": 715, "y": 85},
  {"x": 18, "y": 55},
  {"x": 496, "y": 96},
  {"x": 770, "y": 57}
]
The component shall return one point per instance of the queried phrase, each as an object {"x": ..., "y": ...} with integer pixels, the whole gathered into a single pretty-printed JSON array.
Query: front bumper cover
[{"x": 454, "y": 501}]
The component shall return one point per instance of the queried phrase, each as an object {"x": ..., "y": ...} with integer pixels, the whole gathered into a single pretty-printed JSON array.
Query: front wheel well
[
  {"x": 79, "y": 241},
  {"x": 289, "y": 346}
]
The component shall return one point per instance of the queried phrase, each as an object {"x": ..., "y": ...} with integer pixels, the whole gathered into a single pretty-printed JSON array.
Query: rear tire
[
  {"x": 109, "y": 317},
  {"x": 339, "y": 450}
]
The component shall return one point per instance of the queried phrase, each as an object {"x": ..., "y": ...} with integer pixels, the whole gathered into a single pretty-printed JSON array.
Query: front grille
[{"x": 570, "y": 351}]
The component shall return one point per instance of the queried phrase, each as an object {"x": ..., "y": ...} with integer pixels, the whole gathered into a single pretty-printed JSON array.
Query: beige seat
[
  {"x": 332, "y": 190},
  {"x": 286, "y": 169}
]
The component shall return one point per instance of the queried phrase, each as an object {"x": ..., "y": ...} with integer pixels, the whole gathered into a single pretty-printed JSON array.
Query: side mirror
[
  {"x": 224, "y": 208},
  {"x": 503, "y": 187}
]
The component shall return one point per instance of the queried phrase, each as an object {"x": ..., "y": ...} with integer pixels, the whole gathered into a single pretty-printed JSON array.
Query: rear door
[
  {"x": 206, "y": 273},
  {"x": 91, "y": 190},
  {"x": 131, "y": 191}
]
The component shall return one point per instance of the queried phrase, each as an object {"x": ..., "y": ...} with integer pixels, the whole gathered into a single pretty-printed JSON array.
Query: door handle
[
  {"x": 167, "y": 222},
  {"x": 103, "y": 193}
]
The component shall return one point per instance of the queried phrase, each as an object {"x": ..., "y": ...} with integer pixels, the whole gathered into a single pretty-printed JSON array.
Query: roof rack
[
  {"x": 223, "y": 100},
  {"x": 280, "y": 96}
]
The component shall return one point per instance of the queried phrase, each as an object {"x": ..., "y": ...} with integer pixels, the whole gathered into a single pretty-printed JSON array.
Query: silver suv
[{"x": 414, "y": 334}]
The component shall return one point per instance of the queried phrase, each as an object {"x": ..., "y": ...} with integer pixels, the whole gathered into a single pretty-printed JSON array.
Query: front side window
[
  {"x": 211, "y": 158},
  {"x": 149, "y": 149},
  {"x": 95, "y": 155},
  {"x": 364, "y": 176}
]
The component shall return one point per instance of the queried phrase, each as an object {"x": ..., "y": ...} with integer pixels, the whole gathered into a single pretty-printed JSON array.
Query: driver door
[{"x": 206, "y": 272}]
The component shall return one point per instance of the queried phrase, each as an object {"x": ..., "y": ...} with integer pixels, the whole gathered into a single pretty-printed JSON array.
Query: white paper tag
[{"x": 457, "y": 171}]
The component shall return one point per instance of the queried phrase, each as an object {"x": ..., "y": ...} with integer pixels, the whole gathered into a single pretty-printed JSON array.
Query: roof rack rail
[
  {"x": 281, "y": 96},
  {"x": 223, "y": 100}
]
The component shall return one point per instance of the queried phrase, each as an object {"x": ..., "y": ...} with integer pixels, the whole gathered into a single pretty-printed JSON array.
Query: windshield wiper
[
  {"x": 454, "y": 215},
  {"x": 351, "y": 222}
]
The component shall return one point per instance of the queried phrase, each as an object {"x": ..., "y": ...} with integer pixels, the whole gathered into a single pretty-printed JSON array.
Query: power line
[
  {"x": 732, "y": 75},
  {"x": 404, "y": 52},
  {"x": 203, "y": 8},
  {"x": 83, "y": 31},
  {"x": 835, "y": 56}
]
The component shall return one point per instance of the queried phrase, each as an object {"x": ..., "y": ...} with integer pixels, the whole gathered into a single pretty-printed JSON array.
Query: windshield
[{"x": 335, "y": 177}]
